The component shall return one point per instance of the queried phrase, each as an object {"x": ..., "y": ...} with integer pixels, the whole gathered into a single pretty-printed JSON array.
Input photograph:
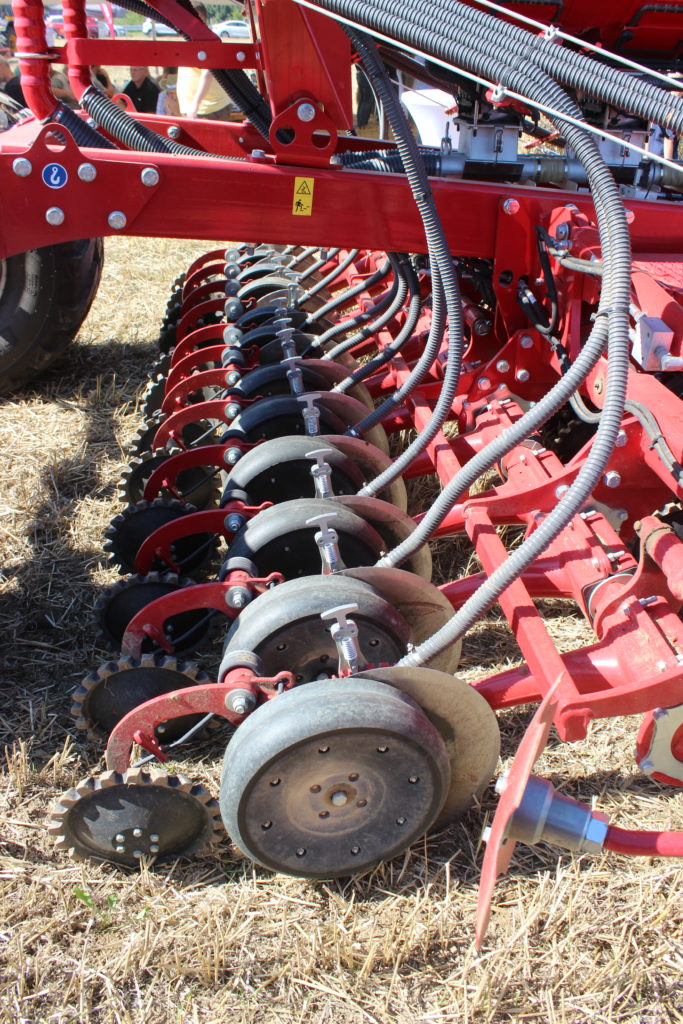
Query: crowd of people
[{"x": 178, "y": 92}]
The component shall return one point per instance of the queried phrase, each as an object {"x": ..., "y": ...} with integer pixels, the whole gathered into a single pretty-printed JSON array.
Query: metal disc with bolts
[
  {"x": 329, "y": 779},
  {"x": 142, "y": 813},
  {"x": 283, "y": 627}
]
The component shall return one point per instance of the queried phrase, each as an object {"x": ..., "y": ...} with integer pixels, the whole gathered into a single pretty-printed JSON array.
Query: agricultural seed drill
[{"x": 508, "y": 301}]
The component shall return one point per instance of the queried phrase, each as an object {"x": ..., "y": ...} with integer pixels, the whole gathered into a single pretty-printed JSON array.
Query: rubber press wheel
[
  {"x": 45, "y": 295},
  {"x": 331, "y": 778},
  {"x": 284, "y": 628}
]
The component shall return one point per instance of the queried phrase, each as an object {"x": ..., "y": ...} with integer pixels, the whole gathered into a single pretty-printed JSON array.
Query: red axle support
[{"x": 212, "y": 698}]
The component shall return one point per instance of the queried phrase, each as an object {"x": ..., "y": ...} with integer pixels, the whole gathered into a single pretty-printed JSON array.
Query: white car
[
  {"x": 232, "y": 30},
  {"x": 161, "y": 30}
]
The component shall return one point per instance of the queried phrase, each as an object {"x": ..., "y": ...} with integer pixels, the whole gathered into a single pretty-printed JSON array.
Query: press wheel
[
  {"x": 280, "y": 469},
  {"x": 331, "y": 778},
  {"x": 278, "y": 539},
  {"x": 467, "y": 725},
  {"x": 283, "y": 627},
  {"x": 142, "y": 813}
]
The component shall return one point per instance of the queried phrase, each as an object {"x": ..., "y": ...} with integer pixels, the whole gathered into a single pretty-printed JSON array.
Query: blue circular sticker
[{"x": 55, "y": 176}]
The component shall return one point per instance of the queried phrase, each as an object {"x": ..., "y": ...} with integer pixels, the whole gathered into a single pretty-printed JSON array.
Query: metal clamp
[
  {"x": 294, "y": 374},
  {"x": 310, "y": 413},
  {"x": 321, "y": 472},
  {"x": 344, "y": 632},
  {"x": 327, "y": 540}
]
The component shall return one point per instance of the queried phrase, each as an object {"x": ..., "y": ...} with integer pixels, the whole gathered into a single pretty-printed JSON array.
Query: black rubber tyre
[{"x": 45, "y": 295}]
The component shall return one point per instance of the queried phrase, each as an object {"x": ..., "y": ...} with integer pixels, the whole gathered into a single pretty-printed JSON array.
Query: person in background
[
  {"x": 142, "y": 91},
  {"x": 61, "y": 88},
  {"x": 101, "y": 80},
  {"x": 9, "y": 82},
  {"x": 199, "y": 94},
  {"x": 168, "y": 94}
]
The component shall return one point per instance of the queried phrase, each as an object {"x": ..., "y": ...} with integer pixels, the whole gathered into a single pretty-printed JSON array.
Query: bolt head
[
  {"x": 201, "y": 55},
  {"x": 562, "y": 489},
  {"x": 484, "y": 384},
  {"x": 87, "y": 172},
  {"x": 258, "y": 154},
  {"x": 235, "y": 522},
  {"x": 54, "y": 216},
  {"x": 149, "y": 176},
  {"x": 621, "y": 440},
  {"x": 173, "y": 131},
  {"x": 232, "y": 409},
  {"x": 232, "y": 456},
  {"x": 612, "y": 478},
  {"x": 305, "y": 112},
  {"x": 502, "y": 366},
  {"x": 22, "y": 167},
  {"x": 241, "y": 55},
  {"x": 526, "y": 341},
  {"x": 117, "y": 220},
  {"x": 232, "y": 378},
  {"x": 522, "y": 376},
  {"x": 511, "y": 207}
]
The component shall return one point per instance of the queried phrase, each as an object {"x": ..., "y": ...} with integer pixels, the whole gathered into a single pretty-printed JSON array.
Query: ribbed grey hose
[
  {"x": 420, "y": 370},
  {"x": 332, "y": 276},
  {"x": 349, "y": 293},
  {"x": 440, "y": 257},
  {"x": 425, "y": 39},
  {"x": 618, "y": 268},
  {"x": 397, "y": 343},
  {"x": 610, "y": 84},
  {"x": 315, "y": 267},
  {"x": 382, "y": 311}
]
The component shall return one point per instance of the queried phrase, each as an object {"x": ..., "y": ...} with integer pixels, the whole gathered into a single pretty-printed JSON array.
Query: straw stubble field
[{"x": 571, "y": 940}]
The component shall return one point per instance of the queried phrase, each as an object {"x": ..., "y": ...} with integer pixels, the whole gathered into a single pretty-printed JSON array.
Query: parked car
[
  {"x": 232, "y": 30},
  {"x": 56, "y": 22},
  {"x": 161, "y": 30}
]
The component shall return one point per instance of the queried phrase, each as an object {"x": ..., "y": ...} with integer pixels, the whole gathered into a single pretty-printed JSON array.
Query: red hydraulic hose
[{"x": 644, "y": 844}]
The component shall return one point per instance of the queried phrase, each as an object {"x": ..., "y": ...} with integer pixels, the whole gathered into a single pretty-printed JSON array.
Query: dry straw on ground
[{"x": 571, "y": 941}]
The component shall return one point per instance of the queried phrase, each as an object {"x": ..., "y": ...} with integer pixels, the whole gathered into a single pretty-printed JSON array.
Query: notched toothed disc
[
  {"x": 142, "y": 813},
  {"x": 113, "y": 689},
  {"x": 119, "y": 605}
]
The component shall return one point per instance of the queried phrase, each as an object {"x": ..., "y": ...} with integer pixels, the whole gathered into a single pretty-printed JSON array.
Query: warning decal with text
[{"x": 302, "y": 201}]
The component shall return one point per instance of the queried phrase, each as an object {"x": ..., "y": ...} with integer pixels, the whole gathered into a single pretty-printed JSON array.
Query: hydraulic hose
[
  {"x": 83, "y": 133},
  {"x": 440, "y": 257},
  {"x": 315, "y": 267},
  {"x": 617, "y": 285},
  {"x": 390, "y": 160},
  {"x": 609, "y": 84},
  {"x": 385, "y": 308},
  {"x": 333, "y": 274},
  {"x": 131, "y": 132},
  {"x": 350, "y": 293},
  {"x": 644, "y": 844},
  {"x": 390, "y": 350}
]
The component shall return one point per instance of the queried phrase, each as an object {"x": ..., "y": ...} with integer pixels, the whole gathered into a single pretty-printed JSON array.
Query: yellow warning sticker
[{"x": 302, "y": 201}]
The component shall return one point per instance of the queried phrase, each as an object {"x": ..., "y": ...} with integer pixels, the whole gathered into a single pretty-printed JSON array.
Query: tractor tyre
[{"x": 45, "y": 295}]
